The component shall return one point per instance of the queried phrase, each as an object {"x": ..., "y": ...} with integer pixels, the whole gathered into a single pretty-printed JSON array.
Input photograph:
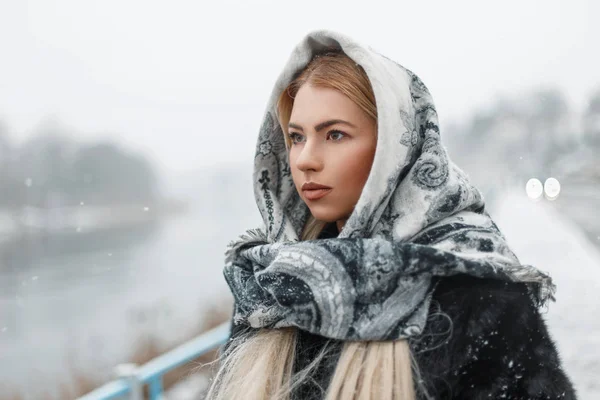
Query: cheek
[
  {"x": 354, "y": 169},
  {"x": 296, "y": 174}
]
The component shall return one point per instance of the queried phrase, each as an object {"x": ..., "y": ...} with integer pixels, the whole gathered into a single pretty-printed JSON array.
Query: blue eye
[
  {"x": 339, "y": 132},
  {"x": 292, "y": 135}
]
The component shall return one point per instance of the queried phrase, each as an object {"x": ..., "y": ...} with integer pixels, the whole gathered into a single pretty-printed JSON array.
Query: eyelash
[{"x": 293, "y": 134}]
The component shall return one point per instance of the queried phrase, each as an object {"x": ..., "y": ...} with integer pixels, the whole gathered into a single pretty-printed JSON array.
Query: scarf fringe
[
  {"x": 539, "y": 284},
  {"x": 250, "y": 238}
]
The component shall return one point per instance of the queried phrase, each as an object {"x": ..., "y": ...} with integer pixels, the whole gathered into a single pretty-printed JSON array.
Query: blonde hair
[{"x": 259, "y": 366}]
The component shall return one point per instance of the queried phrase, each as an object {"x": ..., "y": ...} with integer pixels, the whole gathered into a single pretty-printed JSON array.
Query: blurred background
[{"x": 127, "y": 133}]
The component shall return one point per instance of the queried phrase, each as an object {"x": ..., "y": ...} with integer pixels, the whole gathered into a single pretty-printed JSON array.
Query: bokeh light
[
  {"x": 534, "y": 189},
  {"x": 551, "y": 189}
]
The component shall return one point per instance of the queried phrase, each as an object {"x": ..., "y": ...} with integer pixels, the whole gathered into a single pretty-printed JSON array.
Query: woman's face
[{"x": 338, "y": 155}]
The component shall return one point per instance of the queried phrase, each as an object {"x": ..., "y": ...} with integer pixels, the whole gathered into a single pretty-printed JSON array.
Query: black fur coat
[
  {"x": 497, "y": 346},
  {"x": 484, "y": 340}
]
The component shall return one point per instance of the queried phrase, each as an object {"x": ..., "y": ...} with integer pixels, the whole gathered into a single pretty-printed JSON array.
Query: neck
[{"x": 340, "y": 224}]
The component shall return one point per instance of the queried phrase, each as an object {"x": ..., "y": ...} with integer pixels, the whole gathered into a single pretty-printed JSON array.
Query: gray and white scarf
[{"x": 418, "y": 217}]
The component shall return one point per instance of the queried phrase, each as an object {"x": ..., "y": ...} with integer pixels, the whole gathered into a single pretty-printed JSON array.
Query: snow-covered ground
[{"x": 542, "y": 237}]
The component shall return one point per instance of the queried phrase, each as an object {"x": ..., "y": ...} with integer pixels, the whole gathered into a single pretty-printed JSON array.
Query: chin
[{"x": 325, "y": 215}]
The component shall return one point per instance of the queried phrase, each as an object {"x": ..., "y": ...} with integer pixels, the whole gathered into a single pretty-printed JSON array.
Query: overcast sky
[{"x": 187, "y": 81}]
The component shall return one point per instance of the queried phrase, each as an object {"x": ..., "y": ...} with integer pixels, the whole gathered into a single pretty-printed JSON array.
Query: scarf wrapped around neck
[{"x": 418, "y": 217}]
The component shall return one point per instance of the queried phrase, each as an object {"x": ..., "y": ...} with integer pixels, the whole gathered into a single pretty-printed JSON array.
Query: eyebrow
[{"x": 323, "y": 125}]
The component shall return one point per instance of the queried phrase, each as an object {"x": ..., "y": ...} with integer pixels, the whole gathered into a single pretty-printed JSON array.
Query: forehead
[{"x": 314, "y": 103}]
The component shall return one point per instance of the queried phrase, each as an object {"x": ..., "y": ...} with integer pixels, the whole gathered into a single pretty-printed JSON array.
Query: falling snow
[{"x": 542, "y": 237}]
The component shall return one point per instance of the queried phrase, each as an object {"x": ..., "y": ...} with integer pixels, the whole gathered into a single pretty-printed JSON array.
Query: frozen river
[{"x": 90, "y": 299}]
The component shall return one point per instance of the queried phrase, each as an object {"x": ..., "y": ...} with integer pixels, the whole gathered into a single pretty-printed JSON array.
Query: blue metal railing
[{"x": 132, "y": 378}]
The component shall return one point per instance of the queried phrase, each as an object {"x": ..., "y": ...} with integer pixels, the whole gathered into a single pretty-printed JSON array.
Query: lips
[
  {"x": 314, "y": 191},
  {"x": 313, "y": 186},
  {"x": 315, "y": 194}
]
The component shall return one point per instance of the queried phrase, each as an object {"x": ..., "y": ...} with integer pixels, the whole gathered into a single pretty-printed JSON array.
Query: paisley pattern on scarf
[{"x": 418, "y": 217}]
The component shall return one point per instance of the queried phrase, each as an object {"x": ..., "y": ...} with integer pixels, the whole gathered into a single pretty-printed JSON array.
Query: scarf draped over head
[{"x": 418, "y": 217}]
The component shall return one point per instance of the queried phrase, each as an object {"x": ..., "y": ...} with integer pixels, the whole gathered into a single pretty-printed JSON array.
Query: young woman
[{"x": 378, "y": 273}]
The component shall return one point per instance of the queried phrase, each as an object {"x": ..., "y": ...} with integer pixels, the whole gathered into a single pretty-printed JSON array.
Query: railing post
[
  {"x": 156, "y": 388},
  {"x": 130, "y": 373}
]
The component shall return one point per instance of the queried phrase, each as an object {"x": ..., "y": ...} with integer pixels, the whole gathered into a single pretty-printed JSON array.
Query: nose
[{"x": 310, "y": 157}]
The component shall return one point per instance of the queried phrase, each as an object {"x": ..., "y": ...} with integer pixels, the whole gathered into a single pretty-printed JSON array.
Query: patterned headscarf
[{"x": 418, "y": 217}]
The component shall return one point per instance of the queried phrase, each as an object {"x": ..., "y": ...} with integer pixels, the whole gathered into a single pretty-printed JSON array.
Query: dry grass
[{"x": 146, "y": 349}]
